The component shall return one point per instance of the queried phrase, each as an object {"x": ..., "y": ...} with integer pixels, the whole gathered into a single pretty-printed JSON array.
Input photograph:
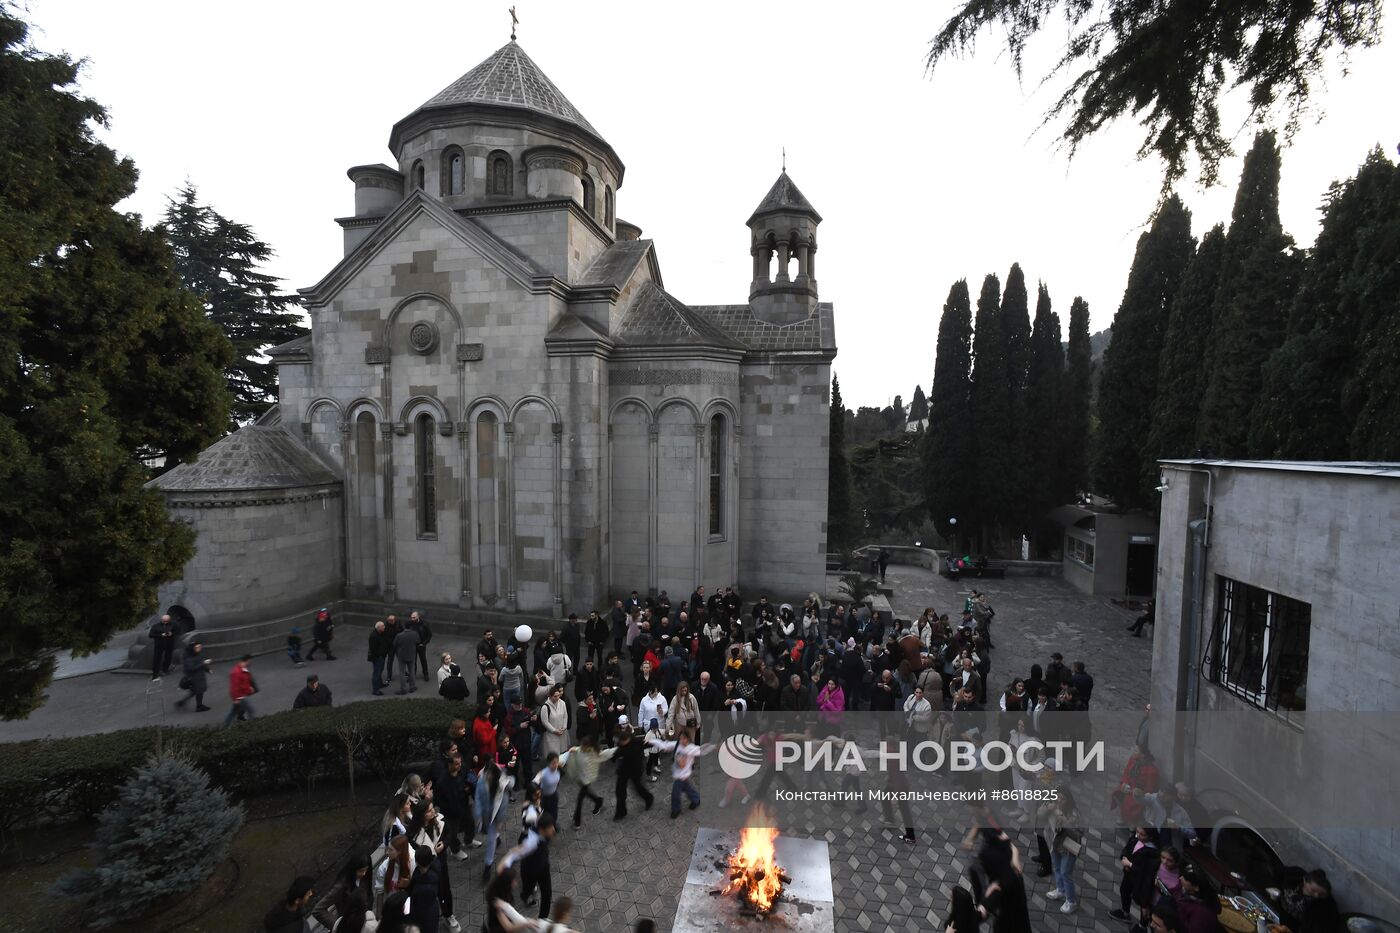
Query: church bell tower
[{"x": 784, "y": 247}]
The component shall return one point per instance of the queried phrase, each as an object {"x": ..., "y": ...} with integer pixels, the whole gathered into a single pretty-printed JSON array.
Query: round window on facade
[{"x": 423, "y": 337}]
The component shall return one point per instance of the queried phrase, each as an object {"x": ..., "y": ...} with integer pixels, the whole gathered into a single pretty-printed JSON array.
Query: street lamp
[{"x": 953, "y": 523}]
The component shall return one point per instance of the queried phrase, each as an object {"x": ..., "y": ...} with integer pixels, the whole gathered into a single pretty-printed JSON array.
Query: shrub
[
  {"x": 72, "y": 778},
  {"x": 165, "y": 833}
]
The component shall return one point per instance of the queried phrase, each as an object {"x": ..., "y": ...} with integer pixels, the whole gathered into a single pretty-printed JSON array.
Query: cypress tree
[
  {"x": 1304, "y": 410},
  {"x": 1079, "y": 381},
  {"x": 1257, "y": 278},
  {"x": 104, "y": 363},
  {"x": 1128, "y": 385},
  {"x": 1044, "y": 410},
  {"x": 1020, "y": 483},
  {"x": 219, "y": 260},
  {"x": 839, "y": 514},
  {"x": 950, "y": 476},
  {"x": 1181, "y": 374},
  {"x": 993, "y": 427},
  {"x": 918, "y": 405}
]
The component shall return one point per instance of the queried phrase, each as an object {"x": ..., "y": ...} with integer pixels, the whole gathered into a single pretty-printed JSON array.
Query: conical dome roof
[
  {"x": 784, "y": 198},
  {"x": 510, "y": 78}
]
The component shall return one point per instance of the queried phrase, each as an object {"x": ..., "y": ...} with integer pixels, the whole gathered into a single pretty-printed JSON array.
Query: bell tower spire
[{"x": 784, "y": 227}]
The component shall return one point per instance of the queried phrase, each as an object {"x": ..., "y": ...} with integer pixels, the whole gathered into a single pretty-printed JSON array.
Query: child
[{"x": 294, "y": 647}]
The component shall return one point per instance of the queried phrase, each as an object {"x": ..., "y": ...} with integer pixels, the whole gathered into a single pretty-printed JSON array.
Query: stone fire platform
[{"x": 806, "y": 905}]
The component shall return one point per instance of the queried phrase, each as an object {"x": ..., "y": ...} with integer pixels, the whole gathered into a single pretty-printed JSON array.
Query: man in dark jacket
[
  {"x": 196, "y": 671},
  {"x": 405, "y": 649},
  {"x": 795, "y": 698},
  {"x": 392, "y": 626},
  {"x": 425, "y": 635},
  {"x": 1056, "y": 674},
  {"x": 852, "y": 675},
  {"x": 618, "y": 620},
  {"x": 595, "y": 634},
  {"x": 630, "y": 763},
  {"x": 572, "y": 639},
  {"x": 322, "y": 630},
  {"x": 425, "y": 910},
  {"x": 381, "y": 646},
  {"x": 709, "y": 694},
  {"x": 587, "y": 681},
  {"x": 1082, "y": 682},
  {"x": 450, "y": 796},
  {"x": 288, "y": 917},
  {"x": 162, "y": 637},
  {"x": 313, "y": 694}
]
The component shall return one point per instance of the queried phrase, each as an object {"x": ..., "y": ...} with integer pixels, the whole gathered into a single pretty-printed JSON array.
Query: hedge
[{"x": 75, "y": 778}]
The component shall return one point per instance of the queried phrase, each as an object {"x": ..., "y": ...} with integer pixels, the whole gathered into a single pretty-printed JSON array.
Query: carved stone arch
[
  {"x": 721, "y": 406},
  {"x": 324, "y": 402},
  {"x": 489, "y": 403},
  {"x": 422, "y": 296},
  {"x": 424, "y": 403},
  {"x": 535, "y": 399},
  {"x": 682, "y": 403},
  {"x": 631, "y": 400},
  {"x": 361, "y": 405}
]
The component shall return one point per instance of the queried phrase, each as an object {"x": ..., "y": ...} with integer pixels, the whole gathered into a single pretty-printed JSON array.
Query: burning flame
[{"x": 752, "y": 869}]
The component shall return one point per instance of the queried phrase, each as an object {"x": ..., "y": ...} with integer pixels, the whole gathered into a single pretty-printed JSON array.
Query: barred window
[
  {"x": 1259, "y": 646},
  {"x": 1080, "y": 550},
  {"x": 425, "y": 453},
  {"x": 499, "y": 174}
]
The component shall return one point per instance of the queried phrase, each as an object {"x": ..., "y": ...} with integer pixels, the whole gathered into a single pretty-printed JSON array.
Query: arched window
[
  {"x": 453, "y": 171},
  {"x": 717, "y": 454},
  {"x": 499, "y": 175},
  {"x": 589, "y": 206},
  {"x": 420, "y": 175},
  {"x": 425, "y": 455},
  {"x": 607, "y": 207}
]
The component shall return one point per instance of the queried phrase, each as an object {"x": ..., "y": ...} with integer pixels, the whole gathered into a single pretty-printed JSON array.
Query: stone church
[{"x": 500, "y": 406}]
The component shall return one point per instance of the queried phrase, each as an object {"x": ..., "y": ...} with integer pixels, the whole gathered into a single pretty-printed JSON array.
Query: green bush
[
  {"x": 67, "y": 779},
  {"x": 164, "y": 834}
]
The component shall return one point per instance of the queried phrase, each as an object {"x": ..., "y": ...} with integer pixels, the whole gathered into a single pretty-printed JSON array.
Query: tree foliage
[
  {"x": 993, "y": 417},
  {"x": 1079, "y": 378},
  {"x": 1130, "y": 364},
  {"x": 1180, "y": 372},
  {"x": 104, "y": 362},
  {"x": 950, "y": 474},
  {"x": 220, "y": 260},
  {"x": 165, "y": 833},
  {"x": 1167, "y": 62},
  {"x": 1019, "y": 485},
  {"x": 839, "y": 514},
  {"x": 1258, "y": 275},
  {"x": 918, "y": 405},
  {"x": 1047, "y": 484},
  {"x": 1328, "y": 392}
]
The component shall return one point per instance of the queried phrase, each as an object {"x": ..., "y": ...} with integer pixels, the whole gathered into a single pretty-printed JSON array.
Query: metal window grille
[
  {"x": 1258, "y": 648},
  {"x": 717, "y": 475},
  {"x": 427, "y": 492}
]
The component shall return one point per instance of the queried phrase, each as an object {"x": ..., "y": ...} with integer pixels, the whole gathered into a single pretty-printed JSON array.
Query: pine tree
[
  {"x": 1044, "y": 428},
  {"x": 1181, "y": 373},
  {"x": 1079, "y": 380},
  {"x": 165, "y": 833},
  {"x": 1128, "y": 385},
  {"x": 898, "y": 416},
  {"x": 839, "y": 515},
  {"x": 1351, "y": 284},
  {"x": 993, "y": 426},
  {"x": 918, "y": 405},
  {"x": 104, "y": 362},
  {"x": 220, "y": 261},
  {"x": 950, "y": 477},
  {"x": 1257, "y": 277}
]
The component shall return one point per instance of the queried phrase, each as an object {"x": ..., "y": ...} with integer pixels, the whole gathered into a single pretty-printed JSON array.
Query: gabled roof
[
  {"x": 572, "y": 327},
  {"x": 253, "y": 457},
  {"x": 817, "y": 332},
  {"x": 784, "y": 198},
  {"x": 615, "y": 265},
  {"x": 656, "y": 318},
  {"x": 510, "y": 78},
  {"x": 297, "y": 347}
]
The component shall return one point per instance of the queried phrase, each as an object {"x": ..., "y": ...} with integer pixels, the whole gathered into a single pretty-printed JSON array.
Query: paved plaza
[{"x": 617, "y": 872}]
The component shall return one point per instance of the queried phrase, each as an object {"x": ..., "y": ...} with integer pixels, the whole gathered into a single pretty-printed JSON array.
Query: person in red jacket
[
  {"x": 483, "y": 736},
  {"x": 241, "y": 686}
]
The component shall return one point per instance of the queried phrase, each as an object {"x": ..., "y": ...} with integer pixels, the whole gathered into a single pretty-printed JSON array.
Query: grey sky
[{"x": 920, "y": 181}]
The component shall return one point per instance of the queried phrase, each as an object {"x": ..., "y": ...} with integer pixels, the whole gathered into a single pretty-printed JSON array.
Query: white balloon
[{"x": 523, "y": 633}]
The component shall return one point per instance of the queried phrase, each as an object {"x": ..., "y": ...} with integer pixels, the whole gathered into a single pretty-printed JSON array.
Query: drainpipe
[{"x": 1200, "y": 544}]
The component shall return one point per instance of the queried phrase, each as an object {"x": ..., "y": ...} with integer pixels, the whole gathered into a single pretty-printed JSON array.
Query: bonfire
[{"x": 753, "y": 872}]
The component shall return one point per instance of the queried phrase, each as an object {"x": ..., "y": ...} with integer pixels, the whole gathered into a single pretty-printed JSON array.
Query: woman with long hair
[
  {"x": 425, "y": 829},
  {"x": 354, "y": 904},
  {"x": 583, "y": 763},
  {"x": 395, "y": 822},
  {"x": 395, "y": 873}
]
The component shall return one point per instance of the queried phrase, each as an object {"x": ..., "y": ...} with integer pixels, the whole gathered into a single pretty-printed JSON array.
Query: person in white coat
[{"x": 554, "y": 718}]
